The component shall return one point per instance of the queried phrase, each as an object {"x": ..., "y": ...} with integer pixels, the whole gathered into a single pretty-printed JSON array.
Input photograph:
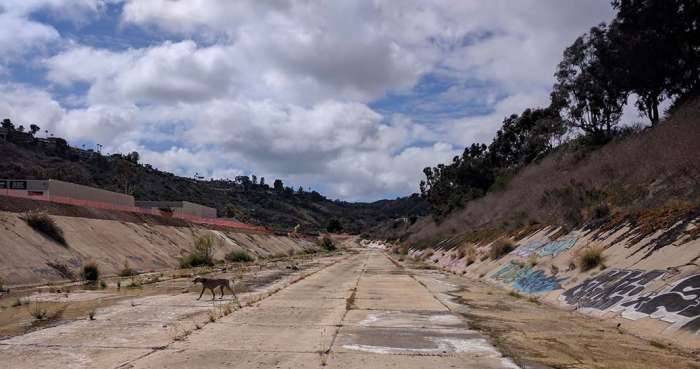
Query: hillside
[
  {"x": 275, "y": 207},
  {"x": 648, "y": 179}
]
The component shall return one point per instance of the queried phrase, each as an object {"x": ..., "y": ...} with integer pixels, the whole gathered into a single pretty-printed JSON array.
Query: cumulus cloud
[{"x": 287, "y": 88}]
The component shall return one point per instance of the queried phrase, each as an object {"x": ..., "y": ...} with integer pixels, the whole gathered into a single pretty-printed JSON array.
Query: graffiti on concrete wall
[
  {"x": 542, "y": 248},
  {"x": 622, "y": 291},
  {"x": 524, "y": 279},
  {"x": 528, "y": 248},
  {"x": 679, "y": 305},
  {"x": 535, "y": 281},
  {"x": 555, "y": 248},
  {"x": 610, "y": 289}
]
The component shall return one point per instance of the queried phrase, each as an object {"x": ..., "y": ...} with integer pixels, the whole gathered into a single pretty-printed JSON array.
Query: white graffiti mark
[
  {"x": 609, "y": 290},
  {"x": 528, "y": 248},
  {"x": 678, "y": 304},
  {"x": 544, "y": 248},
  {"x": 621, "y": 291},
  {"x": 555, "y": 248}
]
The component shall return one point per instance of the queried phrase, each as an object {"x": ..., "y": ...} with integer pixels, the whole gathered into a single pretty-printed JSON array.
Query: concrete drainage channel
[
  {"x": 359, "y": 311},
  {"x": 131, "y": 330}
]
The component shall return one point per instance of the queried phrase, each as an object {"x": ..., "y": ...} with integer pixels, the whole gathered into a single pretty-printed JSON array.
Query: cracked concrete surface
[{"x": 360, "y": 312}]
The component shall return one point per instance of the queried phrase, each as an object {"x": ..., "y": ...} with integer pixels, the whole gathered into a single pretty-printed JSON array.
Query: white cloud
[{"x": 283, "y": 88}]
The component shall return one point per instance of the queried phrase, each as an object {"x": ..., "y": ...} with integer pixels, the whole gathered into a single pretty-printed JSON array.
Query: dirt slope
[{"x": 25, "y": 254}]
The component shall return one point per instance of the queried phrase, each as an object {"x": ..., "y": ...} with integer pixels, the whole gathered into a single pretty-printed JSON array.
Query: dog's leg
[
  {"x": 200, "y": 295},
  {"x": 222, "y": 292},
  {"x": 213, "y": 294}
]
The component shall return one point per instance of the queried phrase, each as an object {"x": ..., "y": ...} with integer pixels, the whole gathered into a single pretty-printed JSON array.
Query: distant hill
[{"x": 271, "y": 205}]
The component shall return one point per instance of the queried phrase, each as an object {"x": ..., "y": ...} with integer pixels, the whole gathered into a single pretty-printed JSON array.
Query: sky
[{"x": 350, "y": 98}]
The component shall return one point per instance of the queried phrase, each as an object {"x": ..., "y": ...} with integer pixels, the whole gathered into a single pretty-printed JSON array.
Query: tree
[
  {"x": 33, "y": 128},
  {"x": 254, "y": 179},
  {"x": 300, "y": 190},
  {"x": 278, "y": 185},
  {"x": 526, "y": 137},
  {"x": 657, "y": 44},
  {"x": 586, "y": 92},
  {"x": 133, "y": 157},
  {"x": 262, "y": 182},
  {"x": 334, "y": 226},
  {"x": 7, "y": 124},
  {"x": 20, "y": 128}
]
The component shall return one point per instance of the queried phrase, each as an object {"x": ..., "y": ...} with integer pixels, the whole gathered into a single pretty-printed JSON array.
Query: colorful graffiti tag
[
  {"x": 524, "y": 279},
  {"x": 622, "y": 291},
  {"x": 543, "y": 248}
]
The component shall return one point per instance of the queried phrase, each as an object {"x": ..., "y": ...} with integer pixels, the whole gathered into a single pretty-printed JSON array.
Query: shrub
[
  {"x": 38, "y": 312},
  {"x": 44, "y": 224},
  {"x": 590, "y": 258},
  {"x": 532, "y": 260},
  {"x": 62, "y": 269},
  {"x": 127, "y": 271},
  {"x": 500, "y": 248},
  {"x": 428, "y": 254},
  {"x": 103, "y": 284},
  {"x": 327, "y": 244},
  {"x": 90, "y": 272},
  {"x": 201, "y": 254},
  {"x": 470, "y": 255},
  {"x": 461, "y": 253},
  {"x": 238, "y": 256}
]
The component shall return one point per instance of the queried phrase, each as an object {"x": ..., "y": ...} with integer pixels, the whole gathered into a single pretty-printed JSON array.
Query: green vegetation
[
  {"x": 590, "y": 258},
  {"x": 334, "y": 226},
  {"x": 238, "y": 256},
  {"x": 44, "y": 224},
  {"x": 90, "y": 272},
  {"x": 201, "y": 254}
]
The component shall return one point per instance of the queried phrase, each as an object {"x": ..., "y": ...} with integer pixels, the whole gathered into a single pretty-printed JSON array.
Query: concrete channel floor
[{"x": 361, "y": 312}]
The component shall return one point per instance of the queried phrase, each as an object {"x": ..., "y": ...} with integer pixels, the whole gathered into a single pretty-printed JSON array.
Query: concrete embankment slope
[
  {"x": 649, "y": 285},
  {"x": 26, "y": 255}
]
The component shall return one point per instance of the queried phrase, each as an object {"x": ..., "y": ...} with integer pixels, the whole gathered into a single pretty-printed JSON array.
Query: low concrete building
[
  {"x": 179, "y": 208},
  {"x": 54, "y": 190}
]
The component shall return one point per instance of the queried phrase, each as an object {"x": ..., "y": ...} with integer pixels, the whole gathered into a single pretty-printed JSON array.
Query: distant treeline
[{"x": 650, "y": 51}]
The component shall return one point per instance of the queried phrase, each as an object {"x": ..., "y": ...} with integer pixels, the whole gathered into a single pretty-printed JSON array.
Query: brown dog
[{"x": 212, "y": 284}]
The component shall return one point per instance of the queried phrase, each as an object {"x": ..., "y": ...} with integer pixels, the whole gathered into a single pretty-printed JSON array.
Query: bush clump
[
  {"x": 500, "y": 248},
  {"x": 62, "y": 269},
  {"x": 44, "y": 224},
  {"x": 90, "y": 272},
  {"x": 238, "y": 256},
  {"x": 590, "y": 258},
  {"x": 327, "y": 244},
  {"x": 201, "y": 254},
  {"x": 127, "y": 270}
]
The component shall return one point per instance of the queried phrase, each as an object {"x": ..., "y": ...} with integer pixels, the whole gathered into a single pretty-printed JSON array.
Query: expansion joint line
[{"x": 348, "y": 305}]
